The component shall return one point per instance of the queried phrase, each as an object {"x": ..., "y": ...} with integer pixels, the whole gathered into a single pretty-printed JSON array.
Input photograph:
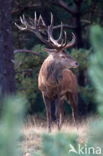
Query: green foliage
[
  {"x": 58, "y": 145},
  {"x": 10, "y": 123},
  {"x": 96, "y": 74},
  {"x": 27, "y": 68},
  {"x": 81, "y": 55},
  {"x": 96, "y": 66},
  {"x": 95, "y": 134}
]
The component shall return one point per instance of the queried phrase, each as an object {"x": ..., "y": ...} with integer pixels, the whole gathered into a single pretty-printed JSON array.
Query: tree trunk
[
  {"x": 82, "y": 107},
  {"x": 7, "y": 74},
  {"x": 78, "y": 29}
]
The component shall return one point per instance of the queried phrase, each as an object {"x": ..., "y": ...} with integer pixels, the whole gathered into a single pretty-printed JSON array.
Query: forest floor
[{"x": 34, "y": 128}]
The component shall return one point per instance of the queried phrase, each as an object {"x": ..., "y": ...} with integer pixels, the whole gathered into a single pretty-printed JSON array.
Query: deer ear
[{"x": 50, "y": 50}]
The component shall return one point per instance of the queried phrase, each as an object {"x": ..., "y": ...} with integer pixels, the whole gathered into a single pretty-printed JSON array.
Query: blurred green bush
[
  {"x": 10, "y": 124},
  {"x": 27, "y": 68}
]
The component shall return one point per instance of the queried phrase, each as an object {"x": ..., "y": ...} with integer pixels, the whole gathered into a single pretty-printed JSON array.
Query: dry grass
[{"x": 33, "y": 129}]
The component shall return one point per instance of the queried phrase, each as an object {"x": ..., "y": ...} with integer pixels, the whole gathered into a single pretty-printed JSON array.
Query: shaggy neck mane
[{"x": 54, "y": 71}]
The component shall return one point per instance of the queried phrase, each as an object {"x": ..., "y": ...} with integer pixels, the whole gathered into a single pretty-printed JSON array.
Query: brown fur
[{"x": 57, "y": 83}]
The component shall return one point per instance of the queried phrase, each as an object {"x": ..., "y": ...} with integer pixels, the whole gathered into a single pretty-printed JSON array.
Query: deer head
[{"x": 57, "y": 47}]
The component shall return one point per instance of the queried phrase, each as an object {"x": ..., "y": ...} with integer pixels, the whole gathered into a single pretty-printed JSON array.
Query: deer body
[
  {"x": 56, "y": 81},
  {"x": 54, "y": 75}
]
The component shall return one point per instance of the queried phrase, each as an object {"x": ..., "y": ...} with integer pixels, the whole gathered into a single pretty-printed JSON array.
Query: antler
[
  {"x": 34, "y": 25},
  {"x": 39, "y": 28}
]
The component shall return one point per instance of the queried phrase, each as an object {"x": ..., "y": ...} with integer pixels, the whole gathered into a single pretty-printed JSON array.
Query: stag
[{"x": 55, "y": 80}]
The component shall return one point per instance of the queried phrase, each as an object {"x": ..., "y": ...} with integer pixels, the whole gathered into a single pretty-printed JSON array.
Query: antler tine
[
  {"x": 20, "y": 27},
  {"x": 52, "y": 20},
  {"x": 24, "y": 26},
  {"x": 41, "y": 21},
  {"x": 65, "y": 38},
  {"x": 35, "y": 18},
  {"x": 62, "y": 44},
  {"x": 50, "y": 29},
  {"x": 61, "y": 32},
  {"x": 23, "y": 20},
  {"x": 72, "y": 42}
]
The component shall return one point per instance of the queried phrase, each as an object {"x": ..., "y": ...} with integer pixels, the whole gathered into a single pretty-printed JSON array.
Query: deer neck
[{"x": 54, "y": 71}]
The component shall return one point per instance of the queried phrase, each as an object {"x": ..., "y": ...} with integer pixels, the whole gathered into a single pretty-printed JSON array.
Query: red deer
[{"x": 55, "y": 80}]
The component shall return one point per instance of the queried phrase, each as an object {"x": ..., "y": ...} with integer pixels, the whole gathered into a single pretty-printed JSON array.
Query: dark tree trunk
[
  {"x": 78, "y": 29},
  {"x": 78, "y": 32},
  {"x": 7, "y": 74},
  {"x": 45, "y": 12},
  {"x": 82, "y": 78},
  {"x": 82, "y": 108}
]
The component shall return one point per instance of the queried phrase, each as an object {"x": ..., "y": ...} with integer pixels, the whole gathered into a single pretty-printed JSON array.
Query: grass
[{"x": 33, "y": 129}]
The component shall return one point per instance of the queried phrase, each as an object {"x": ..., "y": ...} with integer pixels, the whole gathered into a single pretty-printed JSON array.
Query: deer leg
[
  {"x": 73, "y": 103},
  {"x": 61, "y": 117},
  {"x": 58, "y": 113},
  {"x": 57, "y": 116},
  {"x": 48, "y": 111}
]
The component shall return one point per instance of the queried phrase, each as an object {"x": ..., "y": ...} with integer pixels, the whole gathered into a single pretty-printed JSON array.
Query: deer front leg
[
  {"x": 59, "y": 113},
  {"x": 48, "y": 111}
]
